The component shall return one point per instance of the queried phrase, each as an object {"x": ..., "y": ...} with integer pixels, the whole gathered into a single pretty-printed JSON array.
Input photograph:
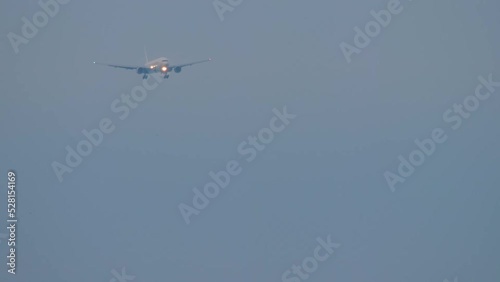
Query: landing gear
[
  {"x": 145, "y": 76},
  {"x": 166, "y": 76}
]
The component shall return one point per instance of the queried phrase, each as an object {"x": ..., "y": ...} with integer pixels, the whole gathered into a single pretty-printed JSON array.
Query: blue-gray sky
[{"x": 323, "y": 175}]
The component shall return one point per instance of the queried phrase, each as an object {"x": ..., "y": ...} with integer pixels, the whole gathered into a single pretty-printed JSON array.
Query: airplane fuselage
[{"x": 156, "y": 65}]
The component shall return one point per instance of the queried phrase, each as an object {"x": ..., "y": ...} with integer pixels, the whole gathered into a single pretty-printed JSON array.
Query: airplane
[{"x": 160, "y": 65}]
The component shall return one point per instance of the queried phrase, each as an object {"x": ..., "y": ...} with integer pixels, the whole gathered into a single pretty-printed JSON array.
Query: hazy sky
[{"x": 323, "y": 175}]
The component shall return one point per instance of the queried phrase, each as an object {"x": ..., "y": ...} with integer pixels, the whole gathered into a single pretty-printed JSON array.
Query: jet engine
[{"x": 178, "y": 69}]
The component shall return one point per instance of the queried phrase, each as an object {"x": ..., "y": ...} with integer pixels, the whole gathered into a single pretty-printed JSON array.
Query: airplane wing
[
  {"x": 120, "y": 66},
  {"x": 189, "y": 64}
]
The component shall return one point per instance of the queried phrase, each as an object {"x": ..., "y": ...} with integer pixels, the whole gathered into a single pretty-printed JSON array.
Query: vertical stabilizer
[{"x": 146, "y": 54}]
